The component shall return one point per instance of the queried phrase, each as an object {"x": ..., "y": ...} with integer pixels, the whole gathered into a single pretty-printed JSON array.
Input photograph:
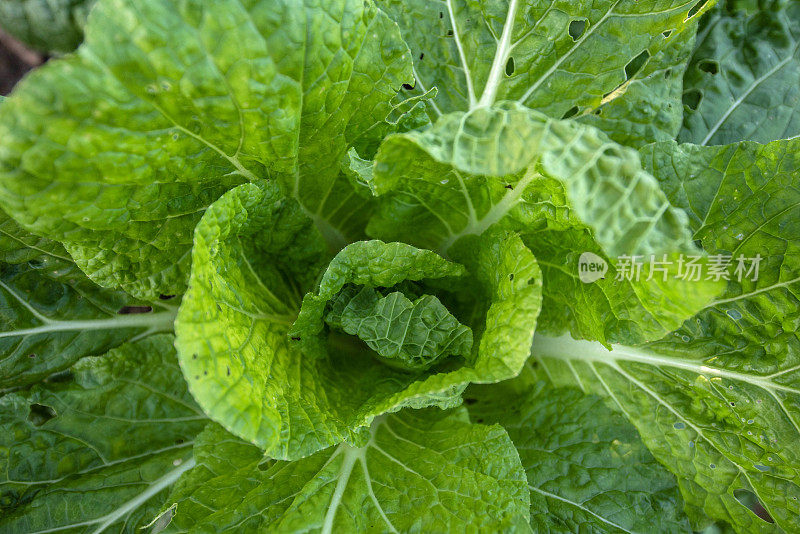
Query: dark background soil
[{"x": 15, "y": 61}]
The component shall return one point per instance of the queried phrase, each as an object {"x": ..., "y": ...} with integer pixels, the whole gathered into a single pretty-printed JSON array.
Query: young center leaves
[
  {"x": 169, "y": 104},
  {"x": 262, "y": 361}
]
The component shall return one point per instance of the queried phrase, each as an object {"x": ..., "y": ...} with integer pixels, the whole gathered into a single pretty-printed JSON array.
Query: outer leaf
[
  {"x": 419, "y": 471},
  {"x": 99, "y": 450},
  {"x": 648, "y": 106},
  {"x": 249, "y": 376},
  {"x": 566, "y": 188},
  {"x": 142, "y": 141},
  {"x": 718, "y": 401},
  {"x": 550, "y": 56},
  {"x": 588, "y": 470},
  {"x": 47, "y": 25},
  {"x": 51, "y": 315},
  {"x": 743, "y": 82}
]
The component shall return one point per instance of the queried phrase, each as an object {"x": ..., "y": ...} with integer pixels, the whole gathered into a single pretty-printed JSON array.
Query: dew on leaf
[
  {"x": 712, "y": 466},
  {"x": 679, "y": 426}
]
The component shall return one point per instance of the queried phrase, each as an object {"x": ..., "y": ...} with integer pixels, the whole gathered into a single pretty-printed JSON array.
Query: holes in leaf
[
  {"x": 409, "y": 87},
  {"x": 31, "y": 355},
  {"x": 636, "y": 64},
  {"x": 598, "y": 111},
  {"x": 422, "y": 56},
  {"x": 571, "y": 112},
  {"x": 441, "y": 15},
  {"x": 449, "y": 33},
  {"x": 166, "y": 297},
  {"x": 576, "y": 29},
  {"x": 709, "y": 66},
  {"x": 692, "y": 99},
  {"x": 749, "y": 499},
  {"x": 510, "y": 66},
  {"x": 125, "y": 310},
  {"x": 666, "y": 33},
  {"x": 667, "y": 73},
  {"x": 39, "y": 414},
  {"x": 695, "y": 8},
  {"x": 511, "y": 277}
]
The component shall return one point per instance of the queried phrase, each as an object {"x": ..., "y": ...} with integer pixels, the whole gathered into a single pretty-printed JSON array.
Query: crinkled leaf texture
[
  {"x": 100, "y": 449},
  {"x": 561, "y": 58},
  {"x": 566, "y": 188},
  {"x": 52, "y": 315},
  {"x": 743, "y": 82},
  {"x": 587, "y": 468},
  {"x": 255, "y": 254},
  {"x": 718, "y": 400},
  {"x": 427, "y": 471},
  {"x": 391, "y": 325},
  {"x": 47, "y": 25},
  {"x": 141, "y": 141}
]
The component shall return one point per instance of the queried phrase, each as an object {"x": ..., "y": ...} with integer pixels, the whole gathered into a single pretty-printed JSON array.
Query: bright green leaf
[
  {"x": 566, "y": 188},
  {"x": 557, "y": 57},
  {"x": 419, "y": 471},
  {"x": 141, "y": 141},
  {"x": 255, "y": 253}
]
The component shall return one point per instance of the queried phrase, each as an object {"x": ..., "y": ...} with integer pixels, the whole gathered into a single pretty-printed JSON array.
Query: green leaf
[
  {"x": 46, "y": 25},
  {"x": 51, "y": 315},
  {"x": 587, "y": 468},
  {"x": 419, "y": 471},
  {"x": 648, "y": 106},
  {"x": 718, "y": 400},
  {"x": 409, "y": 335},
  {"x": 255, "y": 253},
  {"x": 549, "y": 56},
  {"x": 371, "y": 264},
  {"x": 100, "y": 449},
  {"x": 566, "y": 188},
  {"x": 742, "y": 82},
  {"x": 147, "y": 140}
]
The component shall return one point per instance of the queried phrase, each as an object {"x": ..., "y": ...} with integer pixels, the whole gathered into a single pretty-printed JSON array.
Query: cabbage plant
[{"x": 403, "y": 266}]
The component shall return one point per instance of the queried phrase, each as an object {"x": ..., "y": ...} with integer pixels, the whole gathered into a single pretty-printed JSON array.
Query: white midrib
[
  {"x": 351, "y": 455},
  {"x": 500, "y": 58},
  {"x": 758, "y": 81},
  {"x": 112, "y": 517},
  {"x": 462, "y": 55},
  {"x": 155, "y": 321},
  {"x": 566, "y": 348},
  {"x": 579, "y": 506},
  {"x": 497, "y": 212}
]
